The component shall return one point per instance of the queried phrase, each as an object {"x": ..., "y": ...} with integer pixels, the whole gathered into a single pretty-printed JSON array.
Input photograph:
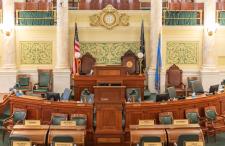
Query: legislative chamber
[{"x": 112, "y": 72}]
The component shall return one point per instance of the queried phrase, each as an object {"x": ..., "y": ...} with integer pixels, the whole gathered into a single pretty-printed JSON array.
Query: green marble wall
[
  {"x": 108, "y": 52},
  {"x": 182, "y": 52},
  {"x": 35, "y": 52}
]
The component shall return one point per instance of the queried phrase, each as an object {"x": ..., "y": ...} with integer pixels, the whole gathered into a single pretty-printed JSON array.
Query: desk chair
[
  {"x": 187, "y": 137},
  {"x": 56, "y": 118},
  {"x": 214, "y": 120},
  {"x": 166, "y": 118},
  {"x": 23, "y": 82},
  {"x": 62, "y": 138},
  {"x": 149, "y": 139},
  {"x": 18, "y": 117},
  {"x": 172, "y": 93},
  {"x": 197, "y": 87},
  {"x": 193, "y": 117},
  {"x": 80, "y": 119},
  {"x": 17, "y": 138}
]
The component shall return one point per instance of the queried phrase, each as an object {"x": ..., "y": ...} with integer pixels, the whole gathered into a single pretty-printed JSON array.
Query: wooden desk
[
  {"x": 41, "y": 110},
  {"x": 172, "y": 131},
  {"x": 130, "y": 81},
  {"x": 37, "y": 134},
  {"x": 77, "y": 132},
  {"x": 136, "y": 132}
]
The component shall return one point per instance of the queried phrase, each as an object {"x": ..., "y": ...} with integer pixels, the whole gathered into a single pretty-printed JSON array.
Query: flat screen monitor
[
  {"x": 53, "y": 96},
  {"x": 213, "y": 89},
  {"x": 162, "y": 97}
]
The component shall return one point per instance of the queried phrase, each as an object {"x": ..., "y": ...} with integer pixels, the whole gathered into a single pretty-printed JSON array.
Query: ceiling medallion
[{"x": 109, "y": 18}]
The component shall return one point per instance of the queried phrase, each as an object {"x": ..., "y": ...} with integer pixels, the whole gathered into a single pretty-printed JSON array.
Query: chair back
[
  {"x": 66, "y": 94},
  {"x": 197, "y": 87},
  {"x": 130, "y": 60},
  {"x": 192, "y": 115},
  {"x": 210, "y": 113},
  {"x": 187, "y": 137},
  {"x": 87, "y": 63},
  {"x": 63, "y": 139},
  {"x": 80, "y": 119},
  {"x": 17, "y": 138},
  {"x": 19, "y": 115},
  {"x": 190, "y": 80},
  {"x": 149, "y": 139},
  {"x": 133, "y": 94},
  {"x": 166, "y": 118},
  {"x": 86, "y": 96},
  {"x": 44, "y": 77},
  {"x": 172, "y": 92},
  {"x": 174, "y": 77},
  {"x": 56, "y": 118}
]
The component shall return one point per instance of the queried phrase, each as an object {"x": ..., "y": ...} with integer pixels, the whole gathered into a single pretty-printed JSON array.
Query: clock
[{"x": 109, "y": 18}]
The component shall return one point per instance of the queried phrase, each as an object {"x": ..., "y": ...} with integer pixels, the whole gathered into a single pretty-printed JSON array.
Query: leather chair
[
  {"x": 214, "y": 120},
  {"x": 187, "y": 137},
  {"x": 130, "y": 60},
  {"x": 133, "y": 94},
  {"x": 62, "y": 139},
  {"x": 193, "y": 117},
  {"x": 166, "y": 118},
  {"x": 149, "y": 139},
  {"x": 80, "y": 119},
  {"x": 56, "y": 118},
  {"x": 17, "y": 138},
  {"x": 87, "y": 64},
  {"x": 66, "y": 95},
  {"x": 197, "y": 87},
  {"x": 172, "y": 93},
  {"x": 45, "y": 81},
  {"x": 23, "y": 82},
  {"x": 190, "y": 80},
  {"x": 17, "y": 117},
  {"x": 174, "y": 78}
]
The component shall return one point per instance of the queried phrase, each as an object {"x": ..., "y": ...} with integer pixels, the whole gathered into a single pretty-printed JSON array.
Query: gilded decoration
[
  {"x": 182, "y": 52},
  {"x": 108, "y": 52},
  {"x": 36, "y": 52},
  {"x": 109, "y": 18}
]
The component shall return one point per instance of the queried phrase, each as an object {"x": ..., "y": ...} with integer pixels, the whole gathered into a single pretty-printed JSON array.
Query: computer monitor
[
  {"x": 53, "y": 96},
  {"x": 214, "y": 88},
  {"x": 162, "y": 97}
]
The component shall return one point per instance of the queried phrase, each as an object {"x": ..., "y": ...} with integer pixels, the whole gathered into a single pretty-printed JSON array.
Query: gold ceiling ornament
[{"x": 109, "y": 18}]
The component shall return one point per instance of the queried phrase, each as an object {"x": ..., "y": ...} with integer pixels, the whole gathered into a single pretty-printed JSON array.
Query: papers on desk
[
  {"x": 21, "y": 143},
  {"x": 63, "y": 144},
  {"x": 152, "y": 144}
]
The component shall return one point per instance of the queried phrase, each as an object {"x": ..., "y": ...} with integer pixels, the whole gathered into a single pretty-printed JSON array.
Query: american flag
[{"x": 76, "y": 49}]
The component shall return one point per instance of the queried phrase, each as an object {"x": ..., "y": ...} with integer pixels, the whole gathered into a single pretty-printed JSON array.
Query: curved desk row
[{"x": 41, "y": 109}]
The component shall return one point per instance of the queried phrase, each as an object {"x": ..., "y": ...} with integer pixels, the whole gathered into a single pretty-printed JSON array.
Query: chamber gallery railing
[
  {"x": 35, "y": 17},
  {"x": 220, "y": 17},
  {"x": 182, "y": 17}
]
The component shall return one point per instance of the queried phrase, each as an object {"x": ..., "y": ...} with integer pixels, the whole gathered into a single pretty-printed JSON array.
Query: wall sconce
[{"x": 212, "y": 29}]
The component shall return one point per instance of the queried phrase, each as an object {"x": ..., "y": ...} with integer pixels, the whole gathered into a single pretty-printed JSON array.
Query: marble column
[
  {"x": 62, "y": 71},
  {"x": 8, "y": 68},
  {"x": 209, "y": 73},
  {"x": 8, "y": 43},
  {"x": 155, "y": 30}
]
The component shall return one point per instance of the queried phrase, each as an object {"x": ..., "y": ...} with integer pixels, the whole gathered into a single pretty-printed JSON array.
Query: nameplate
[
  {"x": 180, "y": 122},
  {"x": 194, "y": 143},
  {"x": 68, "y": 123},
  {"x": 32, "y": 122},
  {"x": 146, "y": 122},
  {"x": 152, "y": 144},
  {"x": 21, "y": 143},
  {"x": 63, "y": 144}
]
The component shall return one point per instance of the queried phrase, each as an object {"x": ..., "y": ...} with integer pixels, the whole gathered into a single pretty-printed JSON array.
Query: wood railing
[
  {"x": 182, "y": 17},
  {"x": 35, "y": 17}
]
